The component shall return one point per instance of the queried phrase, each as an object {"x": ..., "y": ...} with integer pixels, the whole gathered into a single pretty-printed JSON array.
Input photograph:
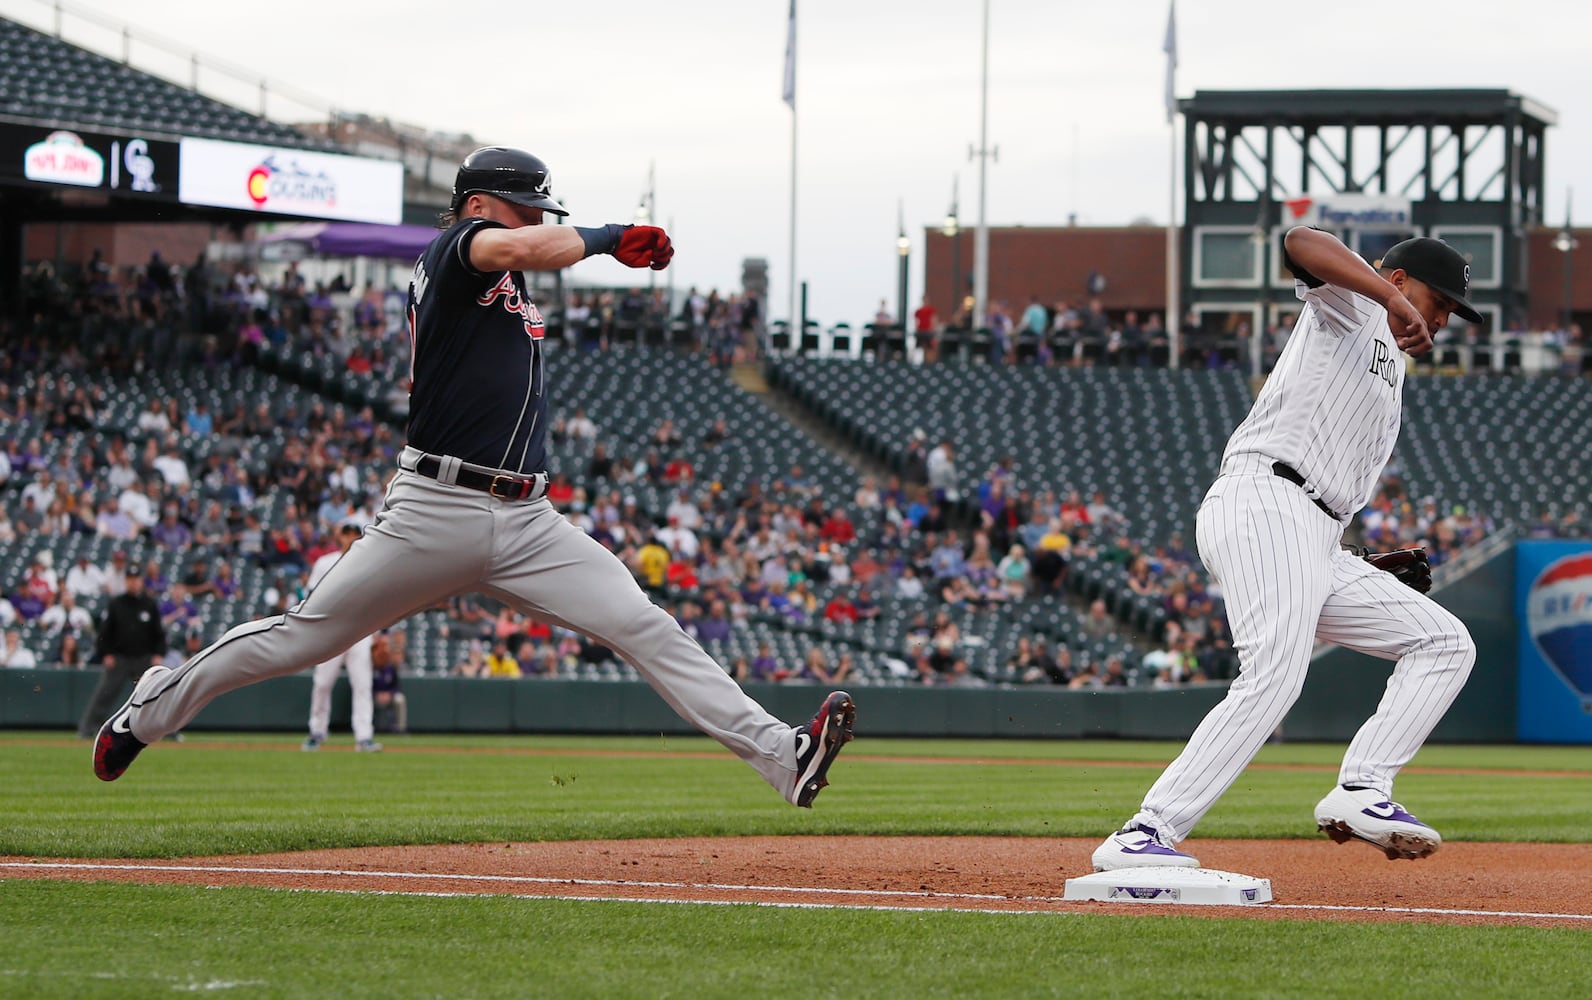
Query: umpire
[{"x": 131, "y": 638}]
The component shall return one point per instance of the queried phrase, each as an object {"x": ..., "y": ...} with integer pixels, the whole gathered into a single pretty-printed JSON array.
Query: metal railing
[{"x": 1474, "y": 557}]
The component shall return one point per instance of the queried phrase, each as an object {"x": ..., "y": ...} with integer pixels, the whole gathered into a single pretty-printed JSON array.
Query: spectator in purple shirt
[
  {"x": 764, "y": 666},
  {"x": 169, "y": 532},
  {"x": 178, "y": 610},
  {"x": 225, "y": 583},
  {"x": 715, "y": 625},
  {"x": 154, "y": 580}
]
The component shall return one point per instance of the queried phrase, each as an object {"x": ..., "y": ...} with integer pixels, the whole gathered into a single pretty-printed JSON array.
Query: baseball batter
[
  {"x": 1295, "y": 471},
  {"x": 356, "y": 659},
  {"x": 467, "y": 511}
]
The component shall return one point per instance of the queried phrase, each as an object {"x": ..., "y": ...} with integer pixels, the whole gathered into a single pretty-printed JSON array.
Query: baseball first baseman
[
  {"x": 467, "y": 510},
  {"x": 1305, "y": 459},
  {"x": 355, "y": 659}
]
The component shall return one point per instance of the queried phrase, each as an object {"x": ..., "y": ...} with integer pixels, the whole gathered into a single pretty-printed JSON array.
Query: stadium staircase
[{"x": 749, "y": 375}]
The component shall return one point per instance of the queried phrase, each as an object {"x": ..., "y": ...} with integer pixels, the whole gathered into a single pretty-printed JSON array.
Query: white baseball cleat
[
  {"x": 1140, "y": 846},
  {"x": 1370, "y": 816}
]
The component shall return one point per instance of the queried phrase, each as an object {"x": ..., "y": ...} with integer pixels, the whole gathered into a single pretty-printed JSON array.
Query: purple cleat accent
[
  {"x": 1369, "y": 815},
  {"x": 1140, "y": 846}
]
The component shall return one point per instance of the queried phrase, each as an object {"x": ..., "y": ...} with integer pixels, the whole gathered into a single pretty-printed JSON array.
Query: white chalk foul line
[
  {"x": 721, "y": 887},
  {"x": 1429, "y": 910},
  {"x": 910, "y": 909},
  {"x": 771, "y": 904},
  {"x": 512, "y": 879}
]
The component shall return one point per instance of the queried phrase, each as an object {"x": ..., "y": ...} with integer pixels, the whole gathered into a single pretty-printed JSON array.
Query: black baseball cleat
[
  {"x": 116, "y": 747},
  {"x": 818, "y": 743}
]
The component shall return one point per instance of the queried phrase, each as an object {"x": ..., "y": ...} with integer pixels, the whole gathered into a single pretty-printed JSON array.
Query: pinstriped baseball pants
[
  {"x": 1287, "y": 584},
  {"x": 431, "y": 541},
  {"x": 363, "y": 708}
]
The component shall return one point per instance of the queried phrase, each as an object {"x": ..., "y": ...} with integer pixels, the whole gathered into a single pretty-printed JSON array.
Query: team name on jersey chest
[
  {"x": 507, "y": 292},
  {"x": 1384, "y": 363}
]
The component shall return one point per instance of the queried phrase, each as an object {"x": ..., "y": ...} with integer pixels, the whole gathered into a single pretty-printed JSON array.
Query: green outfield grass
[
  {"x": 223, "y": 793},
  {"x": 265, "y": 943},
  {"x": 230, "y": 793}
]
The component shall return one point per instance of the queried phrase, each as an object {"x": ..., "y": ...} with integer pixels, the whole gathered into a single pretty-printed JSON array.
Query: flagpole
[
  {"x": 980, "y": 317},
  {"x": 1174, "y": 309},
  {"x": 1174, "y": 314},
  {"x": 795, "y": 321}
]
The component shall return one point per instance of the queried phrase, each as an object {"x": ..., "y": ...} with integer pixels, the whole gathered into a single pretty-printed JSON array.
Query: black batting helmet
[{"x": 511, "y": 174}]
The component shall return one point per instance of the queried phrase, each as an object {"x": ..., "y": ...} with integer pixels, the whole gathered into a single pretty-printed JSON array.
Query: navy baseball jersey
[{"x": 478, "y": 390}]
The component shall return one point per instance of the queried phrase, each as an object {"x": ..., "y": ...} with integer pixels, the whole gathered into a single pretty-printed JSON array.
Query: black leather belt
[
  {"x": 1282, "y": 470},
  {"x": 503, "y": 485}
]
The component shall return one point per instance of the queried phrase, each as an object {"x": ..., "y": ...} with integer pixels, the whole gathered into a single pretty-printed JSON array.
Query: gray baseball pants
[{"x": 431, "y": 541}]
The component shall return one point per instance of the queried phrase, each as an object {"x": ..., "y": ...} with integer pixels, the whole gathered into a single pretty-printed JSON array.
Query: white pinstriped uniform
[
  {"x": 356, "y": 660},
  {"x": 1330, "y": 410}
]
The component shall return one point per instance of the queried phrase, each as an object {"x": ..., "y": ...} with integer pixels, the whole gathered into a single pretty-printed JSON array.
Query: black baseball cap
[{"x": 1438, "y": 265}]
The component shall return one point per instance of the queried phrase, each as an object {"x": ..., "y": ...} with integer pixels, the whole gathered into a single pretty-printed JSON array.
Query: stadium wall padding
[{"x": 52, "y": 699}]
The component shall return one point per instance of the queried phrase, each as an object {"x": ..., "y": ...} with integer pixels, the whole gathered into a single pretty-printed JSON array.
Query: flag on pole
[
  {"x": 790, "y": 59},
  {"x": 1169, "y": 47}
]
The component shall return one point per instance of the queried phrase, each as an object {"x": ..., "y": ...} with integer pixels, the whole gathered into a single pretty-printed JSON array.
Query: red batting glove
[{"x": 644, "y": 246}]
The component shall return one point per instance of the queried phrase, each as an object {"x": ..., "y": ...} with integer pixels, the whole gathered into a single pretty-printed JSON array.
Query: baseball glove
[{"x": 1408, "y": 565}]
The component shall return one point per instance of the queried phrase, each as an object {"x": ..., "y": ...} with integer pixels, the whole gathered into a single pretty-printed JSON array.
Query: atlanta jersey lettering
[
  {"x": 1332, "y": 406},
  {"x": 478, "y": 390}
]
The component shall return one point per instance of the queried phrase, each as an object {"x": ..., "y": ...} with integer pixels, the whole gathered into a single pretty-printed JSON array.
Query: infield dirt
[{"x": 1464, "y": 883}]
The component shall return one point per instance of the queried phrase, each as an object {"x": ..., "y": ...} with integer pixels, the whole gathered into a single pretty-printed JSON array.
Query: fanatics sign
[{"x": 1337, "y": 211}]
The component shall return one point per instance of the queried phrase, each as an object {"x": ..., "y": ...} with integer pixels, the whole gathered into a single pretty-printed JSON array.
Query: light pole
[
  {"x": 983, "y": 154},
  {"x": 903, "y": 250},
  {"x": 1261, "y": 239},
  {"x": 1566, "y": 243},
  {"x": 644, "y": 213},
  {"x": 953, "y": 231}
]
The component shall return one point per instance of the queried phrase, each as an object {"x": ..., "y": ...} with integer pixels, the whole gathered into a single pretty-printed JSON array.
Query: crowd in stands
[
  {"x": 726, "y": 328},
  {"x": 1068, "y": 333},
  {"x": 715, "y": 556},
  {"x": 719, "y": 556},
  {"x": 210, "y": 315}
]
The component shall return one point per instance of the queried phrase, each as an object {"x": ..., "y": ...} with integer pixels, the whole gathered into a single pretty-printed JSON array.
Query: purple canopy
[{"x": 354, "y": 239}]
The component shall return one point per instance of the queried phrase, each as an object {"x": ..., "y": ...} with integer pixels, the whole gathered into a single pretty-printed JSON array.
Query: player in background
[
  {"x": 356, "y": 659},
  {"x": 1303, "y": 462},
  {"x": 467, "y": 511}
]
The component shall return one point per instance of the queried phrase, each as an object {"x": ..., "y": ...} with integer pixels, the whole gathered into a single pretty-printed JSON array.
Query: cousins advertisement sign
[
  {"x": 278, "y": 181},
  {"x": 1555, "y": 611}
]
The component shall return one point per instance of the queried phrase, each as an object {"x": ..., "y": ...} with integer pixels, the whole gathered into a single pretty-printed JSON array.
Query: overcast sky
[{"x": 887, "y": 99}]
